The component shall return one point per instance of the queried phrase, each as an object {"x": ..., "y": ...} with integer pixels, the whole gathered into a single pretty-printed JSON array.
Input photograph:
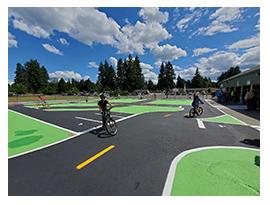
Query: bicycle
[
  {"x": 193, "y": 112},
  {"x": 110, "y": 123}
]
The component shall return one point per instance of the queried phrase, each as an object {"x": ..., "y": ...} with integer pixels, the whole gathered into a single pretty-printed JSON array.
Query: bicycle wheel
[
  {"x": 191, "y": 112},
  {"x": 200, "y": 111},
  {"x": 111, "y": 126}
]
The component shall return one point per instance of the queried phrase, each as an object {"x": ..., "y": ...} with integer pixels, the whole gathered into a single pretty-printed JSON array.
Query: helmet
[{"x": 102, "y": 95}]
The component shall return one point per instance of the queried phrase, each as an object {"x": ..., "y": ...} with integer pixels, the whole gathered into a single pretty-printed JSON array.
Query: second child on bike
[{"x": 196, "y": 102}]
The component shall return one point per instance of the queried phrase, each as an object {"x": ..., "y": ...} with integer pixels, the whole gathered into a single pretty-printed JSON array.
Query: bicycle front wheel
[
  {"x": 111, "y": 126},
  {"x": 200, "y": 111}
]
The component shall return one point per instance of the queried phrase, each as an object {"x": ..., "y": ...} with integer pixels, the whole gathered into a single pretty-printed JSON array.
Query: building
[{"x": 243, "y": 82}]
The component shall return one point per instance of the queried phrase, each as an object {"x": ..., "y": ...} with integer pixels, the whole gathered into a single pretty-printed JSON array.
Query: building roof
[{"x": 251, "y": 70}]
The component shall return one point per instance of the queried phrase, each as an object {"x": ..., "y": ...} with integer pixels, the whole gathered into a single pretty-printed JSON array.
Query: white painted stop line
[{"x": 200, "y": 124}]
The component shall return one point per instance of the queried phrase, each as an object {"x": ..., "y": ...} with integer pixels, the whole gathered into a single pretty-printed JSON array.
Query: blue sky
[{"x": 71, "y": 42}]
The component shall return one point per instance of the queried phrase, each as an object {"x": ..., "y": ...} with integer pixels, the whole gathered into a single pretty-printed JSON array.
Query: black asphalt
[{"x": 138, "y": 165}]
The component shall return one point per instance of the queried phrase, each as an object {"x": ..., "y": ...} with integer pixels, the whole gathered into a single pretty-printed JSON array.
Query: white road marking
[
  {"x": 119, "y": 116},
  {"x": 171, "y": 174},
  {"x": 76, "y": 135},
  {"x": 47, "y": 123},
  {"x": 200, "y": 124},
  {"x": 220, "y": 125},
  {"x": 87, "y": 119}
]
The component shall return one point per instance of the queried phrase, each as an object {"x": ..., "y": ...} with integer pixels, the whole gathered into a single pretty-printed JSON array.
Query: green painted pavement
[
  {"x": 126, "y": 100},
  {"x": 171, "y": 102},
  {"x": 218, "y": 172},
  {"x": 25, "y": 134},
  {"x": 226, "y": 119},
  {"x": 144, "y": 109}
]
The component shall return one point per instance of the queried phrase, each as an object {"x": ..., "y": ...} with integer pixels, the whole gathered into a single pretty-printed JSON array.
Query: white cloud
[
  {"x": 92, "y": 65},
  {"x": 190, "y": 18},
  {"x": 12, "y": 42},
  {"x": 222, "y": 21},
  {"x": 63, "y": 41},
  {"x": 67, "y": 75},
  {"x": 152, "y": 14},
  {"x": 167, "y": 53},
  {"x": 246, "y": 43},
  {"x": 52, "y": 49},
  {"x": 10, "y": 82},
  {"x": 89, "y": 25},
  {"x": 186, "y": 73},
  {"x": 33, "y": 30},
  {"x": 201, "y": 51},
  {"x": 86, "y": 25},
  {"x": 113, "y": 61},
  {"x": 226, "y": 14},
  {"x": 140, "y": 36},
  {"x": 148, "y": 72}
]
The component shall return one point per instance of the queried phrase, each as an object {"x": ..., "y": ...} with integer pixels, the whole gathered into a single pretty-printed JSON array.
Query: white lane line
[
  {"x": 87, "y": 119},
  {"x": 171, "y": 174},
  {"x": 119, "y": 116},
  {"x": 76, "y": 135},
  {"x": 44, "y": 122},
  {"x": 220, "y": 125},
  {"x": 200, "y": 124}
]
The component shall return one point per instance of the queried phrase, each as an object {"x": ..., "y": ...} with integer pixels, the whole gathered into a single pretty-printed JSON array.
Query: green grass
[
  {"x": 218, "y": 172},
  {"x": 25, "y": 134},
  {"x": 171, "y": 102},
  {"x": 144, "y": 109},
  {"x": 226, "y": 119}
]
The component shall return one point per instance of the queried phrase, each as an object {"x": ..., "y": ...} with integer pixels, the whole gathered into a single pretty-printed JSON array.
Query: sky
[{"x": 71, "y": 42}]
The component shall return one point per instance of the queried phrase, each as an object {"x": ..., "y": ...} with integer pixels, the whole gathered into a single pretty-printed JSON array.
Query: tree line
[{"x": 127, "y": 77}]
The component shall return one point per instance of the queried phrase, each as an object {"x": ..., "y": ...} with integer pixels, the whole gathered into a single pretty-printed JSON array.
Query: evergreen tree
[
  {"x": 229, "y": 73},
  {"x": 197, "y": 80},
  {"x": 180, "y": 82},
  {"x": 166, "y": 77},
  {"x": 20, "y": 74},
  {"x": 62, "y": 87}
]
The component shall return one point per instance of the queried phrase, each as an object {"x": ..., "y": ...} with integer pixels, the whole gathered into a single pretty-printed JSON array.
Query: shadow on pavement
[
  {"x": 253, "y": 142},
  {"x": 101, "y": 133}
]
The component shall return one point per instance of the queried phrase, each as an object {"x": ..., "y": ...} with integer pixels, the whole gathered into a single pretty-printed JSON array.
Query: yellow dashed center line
[{"x": 91, "y": 159}]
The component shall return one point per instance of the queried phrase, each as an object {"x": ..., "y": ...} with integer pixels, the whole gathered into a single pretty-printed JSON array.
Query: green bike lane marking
[
  {"x": 133, "y": 109},
  {"x": 171, "y": 102},
  {"x": 26, "y": 133},
  {"x": 225, "y": 119},
  {"x": 126, "y": 100},
  {"x": 215, "y": 171},
  {"x": 145, "y": 109}
]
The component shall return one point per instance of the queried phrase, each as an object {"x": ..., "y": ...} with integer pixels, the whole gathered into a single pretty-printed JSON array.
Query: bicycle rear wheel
[
  {"x": 111, "y": 126},
  {"x": 191, "y": 112}
]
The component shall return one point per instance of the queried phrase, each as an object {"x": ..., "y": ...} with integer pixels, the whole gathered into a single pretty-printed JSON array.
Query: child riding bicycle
[
  {"x": 102, "y": 107},
  {"x": 196, "y": 102}
]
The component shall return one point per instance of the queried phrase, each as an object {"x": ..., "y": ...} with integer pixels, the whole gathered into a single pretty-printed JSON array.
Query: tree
[
  {"x": 20, "y": 74},
  {"x": 166, "y": 77},
  {"x": 121, "y": 74},
  {"x": 62, "y": 87},
  {"x": 51, "y": 89},
  {"x": 180, "y": 82},
  {"x": 229, "y": 73},
  {"x": 150, "y": 85},
  {"x": 18, "y": 88},
  {"x": 197, "y": 80},
  {"x": 37, "y": 77},
  {"x": 106, "y": 76},
  {"x": 161, "y": 77}
]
